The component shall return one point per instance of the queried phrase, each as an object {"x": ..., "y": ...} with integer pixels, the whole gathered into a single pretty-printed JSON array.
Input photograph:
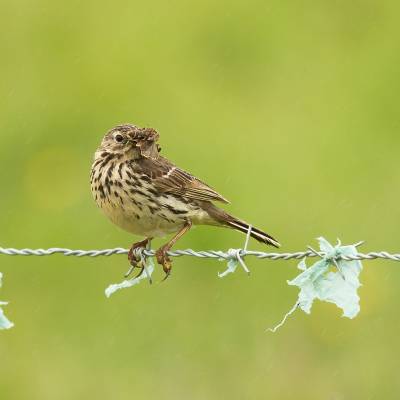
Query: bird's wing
[{"x": 168, "y": 178}]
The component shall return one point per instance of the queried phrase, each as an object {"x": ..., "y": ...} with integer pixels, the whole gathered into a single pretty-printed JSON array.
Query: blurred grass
[{"x": 291, "y": 110}]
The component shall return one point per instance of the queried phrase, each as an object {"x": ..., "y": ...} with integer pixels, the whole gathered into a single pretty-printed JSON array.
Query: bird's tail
[
  {"x": 255, "y": 233},
  {"x": 228, "y": 220}
]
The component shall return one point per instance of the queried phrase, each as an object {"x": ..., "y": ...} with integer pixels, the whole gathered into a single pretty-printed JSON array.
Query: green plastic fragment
[
  {"x": 331, "y": 279},
  {"x": 148, "y": 270},
  {"x": 5, "y": 323}
]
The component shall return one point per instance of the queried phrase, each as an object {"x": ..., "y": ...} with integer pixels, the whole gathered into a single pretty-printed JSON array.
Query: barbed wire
[
  {"x": 314, "y": 282},
  {"x": 218, "y": 254}
]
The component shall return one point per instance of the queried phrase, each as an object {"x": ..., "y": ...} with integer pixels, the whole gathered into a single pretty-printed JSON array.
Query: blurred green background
[{"x": 289, "y": 109}]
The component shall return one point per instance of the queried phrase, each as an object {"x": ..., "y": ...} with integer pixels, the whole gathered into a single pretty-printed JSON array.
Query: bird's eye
[{"x": 119, "y": 138}]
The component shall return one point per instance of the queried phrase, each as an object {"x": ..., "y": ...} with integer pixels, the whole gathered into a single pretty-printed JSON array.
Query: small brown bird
[{"x": 145, "y": 194}]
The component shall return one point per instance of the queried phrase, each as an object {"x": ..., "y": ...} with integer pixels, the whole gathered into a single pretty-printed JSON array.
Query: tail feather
[
  {"x": 222, "y": 218},
  {"x": 255, "y": 233}
]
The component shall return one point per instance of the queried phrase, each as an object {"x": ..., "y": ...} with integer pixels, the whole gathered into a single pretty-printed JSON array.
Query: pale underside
[{"x": 139, "y": 211}]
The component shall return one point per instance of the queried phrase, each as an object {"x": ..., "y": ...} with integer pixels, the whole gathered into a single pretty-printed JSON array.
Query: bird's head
[{"x": 131, "y": 141}]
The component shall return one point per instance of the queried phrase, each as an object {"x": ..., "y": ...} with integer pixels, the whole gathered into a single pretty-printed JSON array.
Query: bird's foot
[
  {"x": 164, "y": 260},
  {"x": 134, "y": 259}
]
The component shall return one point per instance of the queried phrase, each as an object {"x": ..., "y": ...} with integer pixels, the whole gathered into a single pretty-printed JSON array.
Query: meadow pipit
[{"x": 145, "y": 194}]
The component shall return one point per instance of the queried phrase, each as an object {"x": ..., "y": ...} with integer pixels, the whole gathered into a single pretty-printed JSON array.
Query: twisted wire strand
[{"x": 192, "y": 253}]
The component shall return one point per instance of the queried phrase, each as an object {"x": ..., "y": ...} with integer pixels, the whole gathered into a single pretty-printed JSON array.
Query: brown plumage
[{"x": 145, "y": 194}]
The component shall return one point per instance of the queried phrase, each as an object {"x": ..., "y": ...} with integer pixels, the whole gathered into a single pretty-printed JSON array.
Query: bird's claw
[
  {"x": 164, "y": 260},
  {"x": 130, "y": 270},
  {"x": 134, "y": 259}
]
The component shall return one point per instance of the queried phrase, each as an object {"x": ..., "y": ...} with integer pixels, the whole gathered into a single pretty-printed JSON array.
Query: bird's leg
[
  {"x": 134, "y": 261},
  {"x": 161, "y": 253}
]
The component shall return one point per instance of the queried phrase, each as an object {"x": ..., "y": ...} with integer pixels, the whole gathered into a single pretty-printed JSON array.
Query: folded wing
[{"x": 168, "y": 178}]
